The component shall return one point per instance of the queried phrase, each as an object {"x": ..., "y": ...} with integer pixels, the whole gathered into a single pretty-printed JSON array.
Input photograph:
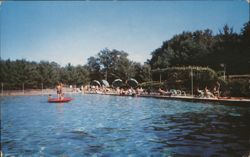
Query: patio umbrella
[
  {"x": 105, "y": 83},
  {"x": 95, "y": 82},
  {"x": 132, "y": 82},
  {"x": 117, "y": 83}
]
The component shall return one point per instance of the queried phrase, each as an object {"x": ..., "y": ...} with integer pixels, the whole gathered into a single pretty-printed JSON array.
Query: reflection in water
[
  {"x": 205, "y": 134},
  {"x": 96, "y": 125},
  {"x": 60, "y": 107}
]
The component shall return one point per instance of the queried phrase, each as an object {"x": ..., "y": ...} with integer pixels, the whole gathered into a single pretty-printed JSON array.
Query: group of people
[
  {"x": 131, "y": 91},
  {"x": 172, "y": 92},
  {"x": 118, "y": 90},
  {"x": 207, "y": 93}
]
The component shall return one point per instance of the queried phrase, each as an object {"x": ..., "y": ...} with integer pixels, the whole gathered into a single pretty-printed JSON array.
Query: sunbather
[
  {"x": 199, "y": 92},
  {"x": 207, "y": 93},
  {"x": 162, "y": 92}
]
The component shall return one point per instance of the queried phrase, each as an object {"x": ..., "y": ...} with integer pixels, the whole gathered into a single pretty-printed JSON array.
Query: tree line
[
  {"x": 108, "y": 65},
  {"x": 15, "y": 74},
  {"x": 225, "y": 51}
]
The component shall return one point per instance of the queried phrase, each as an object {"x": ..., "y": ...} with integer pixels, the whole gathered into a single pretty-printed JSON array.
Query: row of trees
[
  {"x": 108, "y": 65},
  {"x": 201, "y": 48},
  {"x": 39, "y": 75}
]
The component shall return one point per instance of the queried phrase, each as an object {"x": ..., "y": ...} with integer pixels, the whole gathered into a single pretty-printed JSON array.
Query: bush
[
  {"x": 180, "y": 77},
  {"x": 153, "y": 85},
  {"x": 239, "y": 87}
]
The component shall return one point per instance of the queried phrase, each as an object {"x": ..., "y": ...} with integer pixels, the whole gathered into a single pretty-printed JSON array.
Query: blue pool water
[{"x": 99, "y": 125}]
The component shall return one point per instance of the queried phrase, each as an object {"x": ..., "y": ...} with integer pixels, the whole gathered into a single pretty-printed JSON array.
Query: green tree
[
  {"x": 110, "y": 65},
  {"x": 202, "y": 48},
  {"x": 94, "y": 67},
  {"x": 49, "y": 73},
  {"x": 245, "y": 48},
  {"x": 74, "y": 75},
  {"x": 182, "y": 50}
]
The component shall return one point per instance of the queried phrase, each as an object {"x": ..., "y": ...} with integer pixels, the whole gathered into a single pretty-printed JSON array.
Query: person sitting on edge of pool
[
  {"x": 199, "y": 92},
  {"x": 207, "y": 93},
  {"x": 162, "y": 92}
]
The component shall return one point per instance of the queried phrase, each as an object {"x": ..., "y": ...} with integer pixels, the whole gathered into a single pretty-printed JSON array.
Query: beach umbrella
[
  {"x": 105, "y": 83},
  {"x": 132, "y": 82},
  {"x": 117, "y": 83},
  {"x": 95, "y": 82}
]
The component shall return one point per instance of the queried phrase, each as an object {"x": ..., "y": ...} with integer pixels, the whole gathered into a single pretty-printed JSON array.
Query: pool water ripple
[{"x": 98, "y": 125}]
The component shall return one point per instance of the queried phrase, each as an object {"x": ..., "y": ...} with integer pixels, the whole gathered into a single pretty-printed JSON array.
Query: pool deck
[{"x": 222, "y": 100}]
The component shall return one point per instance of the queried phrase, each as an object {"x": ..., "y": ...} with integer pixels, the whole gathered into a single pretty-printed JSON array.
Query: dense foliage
[
  {"x": 180, "y": 77},
  {"x": 19, "y": 73},
  {"x": 114, "y": 64},
  {"x": 108, "y": 65},
  {"x": 227, "y": 50},
  {"x": 237, "y": 87}
]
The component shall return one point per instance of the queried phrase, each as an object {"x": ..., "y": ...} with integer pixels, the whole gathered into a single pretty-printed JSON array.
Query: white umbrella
[
  {"x": 132, "y": 82},
  {"x": 105, "y": 83},
  {"x": 95, "y": 82},
  {"x": 117, "y": 83}
]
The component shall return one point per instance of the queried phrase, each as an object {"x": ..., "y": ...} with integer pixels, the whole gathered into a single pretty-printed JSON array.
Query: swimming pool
[{"x": 101, "y": 125}]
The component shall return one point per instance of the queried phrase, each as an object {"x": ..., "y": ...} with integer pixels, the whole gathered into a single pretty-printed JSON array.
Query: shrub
[
  {"x": 239, "y": 87},
  {"x": 180, "y": 77}
]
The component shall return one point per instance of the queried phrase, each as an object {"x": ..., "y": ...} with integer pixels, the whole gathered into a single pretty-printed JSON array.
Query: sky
[{"x": 72, "y": 31}]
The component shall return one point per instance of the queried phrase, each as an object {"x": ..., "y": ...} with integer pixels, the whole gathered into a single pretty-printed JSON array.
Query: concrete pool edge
[{"x": 220, "y": 101}]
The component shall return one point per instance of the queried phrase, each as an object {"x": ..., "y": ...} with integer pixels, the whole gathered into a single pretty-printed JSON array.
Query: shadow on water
[
  {"x": 202, "y": 134},
  {"x": 90, "y": 143},
  {"x": 83, "y": 144},
  {"x": 80, "y": 135}
]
